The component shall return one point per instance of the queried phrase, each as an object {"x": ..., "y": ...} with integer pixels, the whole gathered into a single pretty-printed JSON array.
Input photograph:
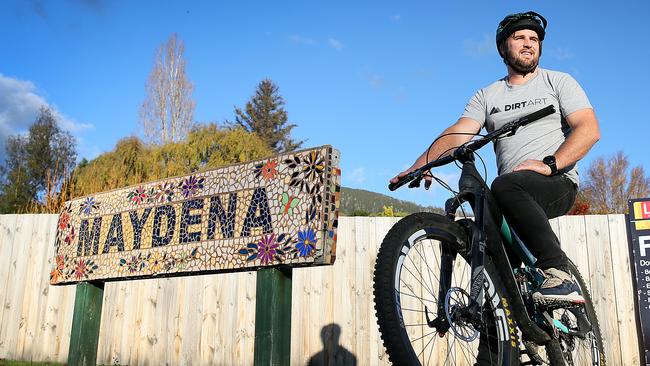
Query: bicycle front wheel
[{"x": 419, "y": 324}]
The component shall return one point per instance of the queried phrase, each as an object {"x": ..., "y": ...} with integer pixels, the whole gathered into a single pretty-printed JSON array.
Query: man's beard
[{"x": 521, "y": 65}]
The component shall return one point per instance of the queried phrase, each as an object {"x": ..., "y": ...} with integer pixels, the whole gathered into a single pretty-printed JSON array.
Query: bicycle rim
[{"x": 586, "y": 349}]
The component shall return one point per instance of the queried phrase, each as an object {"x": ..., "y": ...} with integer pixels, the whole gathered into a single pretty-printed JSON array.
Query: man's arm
[
  {"x": 584, "y": 134},
  {"x": 463, "y": 130}
]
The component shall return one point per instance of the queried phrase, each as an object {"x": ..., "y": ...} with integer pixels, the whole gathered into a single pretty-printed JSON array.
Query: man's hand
[
  {"x": 534, "y": 165},
  {"x": 398, "y": 176},
  {"x": 427, "y": 176}
]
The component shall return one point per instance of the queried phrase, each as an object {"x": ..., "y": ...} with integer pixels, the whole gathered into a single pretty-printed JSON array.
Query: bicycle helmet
[{"x": 514, "y": 22}]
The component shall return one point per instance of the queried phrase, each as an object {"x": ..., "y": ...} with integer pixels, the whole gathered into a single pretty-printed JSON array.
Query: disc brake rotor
[{"x": 456, "y": 303}]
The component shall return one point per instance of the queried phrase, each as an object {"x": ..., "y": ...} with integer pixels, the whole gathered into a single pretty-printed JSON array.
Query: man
[{"x": 537, "y": 166}]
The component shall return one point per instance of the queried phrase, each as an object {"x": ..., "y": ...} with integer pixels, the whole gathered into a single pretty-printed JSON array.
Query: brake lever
[
  {"x": 415, "y": 183},
  {"x": 513, "y": 130}
]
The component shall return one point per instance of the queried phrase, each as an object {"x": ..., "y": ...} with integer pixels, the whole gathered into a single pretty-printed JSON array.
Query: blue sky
[{"x": 376, "y": 79}]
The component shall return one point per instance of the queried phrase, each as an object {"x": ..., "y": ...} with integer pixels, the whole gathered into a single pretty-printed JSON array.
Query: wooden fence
[{"x": 209, "y": 320}]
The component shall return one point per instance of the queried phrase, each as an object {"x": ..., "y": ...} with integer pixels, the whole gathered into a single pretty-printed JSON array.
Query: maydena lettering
[
  {"x": 161, "y": 222},
  {"x": 509, "y": 107}
]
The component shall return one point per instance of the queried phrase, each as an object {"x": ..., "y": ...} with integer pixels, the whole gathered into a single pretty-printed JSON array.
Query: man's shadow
[{"x": 332, "y": 353}]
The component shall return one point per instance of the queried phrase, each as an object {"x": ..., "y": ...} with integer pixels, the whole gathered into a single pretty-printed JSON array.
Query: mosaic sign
[{"x": 281, "y": 210}]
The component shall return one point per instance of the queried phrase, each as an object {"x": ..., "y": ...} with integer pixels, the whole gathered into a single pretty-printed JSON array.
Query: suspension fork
[
  {"x": 446, "y": 270},
  {"x": 479, "y": 242}
]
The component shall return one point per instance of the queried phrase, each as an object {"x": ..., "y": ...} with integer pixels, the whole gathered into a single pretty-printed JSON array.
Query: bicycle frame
[{"x": 487, "y": 234}]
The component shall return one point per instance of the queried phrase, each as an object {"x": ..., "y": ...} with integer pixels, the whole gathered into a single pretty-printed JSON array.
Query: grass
[
  {"x": 4, "y": 362},
  {"x": 28, "y": 363}
]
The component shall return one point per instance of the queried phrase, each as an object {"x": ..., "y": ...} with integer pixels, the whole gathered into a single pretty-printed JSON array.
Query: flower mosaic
[
  {"x": 279, "y": 210},
  {"x": 191, "y": 186},
  {"x": 88, "y": 206},
  {"x": 267, "y": 170}
]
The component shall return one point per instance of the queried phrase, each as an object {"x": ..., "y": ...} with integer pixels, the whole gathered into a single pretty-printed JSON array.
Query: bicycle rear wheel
[
  {"x": 583, "y": 344},
  {"x": 417, "y": 323}
]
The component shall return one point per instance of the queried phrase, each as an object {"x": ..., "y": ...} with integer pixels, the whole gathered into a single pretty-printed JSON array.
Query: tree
[
  {"x": 16, "y": 190},
  {"x": 38, "y": 164},
  {"x": 608, "y": 186},
  {"x": 265, "y": 115},
  {"x": 168, "y": 108},
  {"x": 580, "y": 206},
  {"x": 132, "y": 162}
]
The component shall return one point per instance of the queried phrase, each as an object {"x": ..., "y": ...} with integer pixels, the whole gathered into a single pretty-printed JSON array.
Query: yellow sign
[{"x": 642, "y": 215}]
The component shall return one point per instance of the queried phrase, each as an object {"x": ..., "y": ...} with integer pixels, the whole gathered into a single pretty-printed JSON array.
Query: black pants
[{"x": 528, "y": 200}]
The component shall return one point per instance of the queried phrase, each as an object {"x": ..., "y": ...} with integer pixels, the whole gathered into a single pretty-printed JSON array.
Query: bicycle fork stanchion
[
  {"x": 86, "y": 321},
  {"x": 273, "y": 317},
  {"x": 478, "y": 256}
]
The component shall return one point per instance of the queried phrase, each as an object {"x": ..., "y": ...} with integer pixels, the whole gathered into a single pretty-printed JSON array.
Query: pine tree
[{"x": 265, "y": 115}]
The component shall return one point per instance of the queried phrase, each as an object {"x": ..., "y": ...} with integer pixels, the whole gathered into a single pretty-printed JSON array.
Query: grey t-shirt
[{"x": 501, "y": 102}]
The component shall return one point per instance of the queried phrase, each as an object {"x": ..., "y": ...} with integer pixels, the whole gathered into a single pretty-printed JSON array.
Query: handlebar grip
[
  {"x": 546, "y": 111},
  {"x": 403, "y": 180}
]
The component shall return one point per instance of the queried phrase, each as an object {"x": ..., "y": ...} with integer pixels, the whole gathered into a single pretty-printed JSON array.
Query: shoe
[{"x": 557, "y": 289}]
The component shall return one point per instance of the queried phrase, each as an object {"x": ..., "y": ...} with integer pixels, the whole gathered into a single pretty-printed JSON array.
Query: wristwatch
[{"x": 550, "y": 161}]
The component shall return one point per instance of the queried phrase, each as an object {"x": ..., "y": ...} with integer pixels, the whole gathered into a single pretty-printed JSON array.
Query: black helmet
[{"x": 514, "y": 22}]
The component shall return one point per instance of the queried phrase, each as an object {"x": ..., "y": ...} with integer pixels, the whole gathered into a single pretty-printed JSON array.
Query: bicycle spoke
[
  {"x": 414, "y": 277},
  {"x": 464, "y": 350},
  {"x": 416, "y": 325},
  {"x": 428, "y": 288},
  {"x": 425, "y": 346},
  {"x": 435, "y": 256},
  {"x": 424, "y": 336},
  {"x": 413, "y": 310},
  {"x": 450, "y": 346},
  {"x": 430, "y": 353},
  {"x": 419, "y": 298}
]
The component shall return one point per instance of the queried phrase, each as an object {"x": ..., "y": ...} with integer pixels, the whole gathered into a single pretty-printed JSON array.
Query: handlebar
[{"x": 509, "y": 128}]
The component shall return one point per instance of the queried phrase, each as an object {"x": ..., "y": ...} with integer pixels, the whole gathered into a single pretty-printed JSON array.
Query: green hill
[{"x": 359, "y": 202}]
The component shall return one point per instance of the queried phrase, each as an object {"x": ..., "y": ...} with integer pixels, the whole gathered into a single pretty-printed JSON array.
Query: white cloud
[
  {"x": 396, "y": 17},
  {"x": 337, "y": 45},
  {"x": 480, "y": 48},
  {"x": 302, "y": 40},
  {"x": 19, "y": 106},
  {"x": 69, "y": 124}
]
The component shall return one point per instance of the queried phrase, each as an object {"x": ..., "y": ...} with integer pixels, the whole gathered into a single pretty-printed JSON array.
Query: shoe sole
[{"x": 558, "y": 300}]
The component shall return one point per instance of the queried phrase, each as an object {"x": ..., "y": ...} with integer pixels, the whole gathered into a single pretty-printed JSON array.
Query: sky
[{"x": 378, "y": 80}]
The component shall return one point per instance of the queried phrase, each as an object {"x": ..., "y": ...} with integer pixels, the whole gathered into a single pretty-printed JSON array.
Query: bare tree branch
[
  {"x": 607, "y": 185},
  {"x": 168, "y": 109}
]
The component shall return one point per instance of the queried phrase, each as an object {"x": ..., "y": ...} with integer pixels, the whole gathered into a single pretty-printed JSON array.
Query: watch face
[{"x": 549, "y": 160}]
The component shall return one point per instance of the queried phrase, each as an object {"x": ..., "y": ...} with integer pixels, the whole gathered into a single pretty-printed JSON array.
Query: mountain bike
[{"x": 446, "y": 290}]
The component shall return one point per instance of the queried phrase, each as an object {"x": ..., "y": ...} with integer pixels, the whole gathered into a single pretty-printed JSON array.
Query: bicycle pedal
[
  {"x": 554, "y": 304},
  {"x": 546, "y": 302}
]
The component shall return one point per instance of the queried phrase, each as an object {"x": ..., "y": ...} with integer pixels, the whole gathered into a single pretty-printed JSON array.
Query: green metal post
[
  {"x": 273, "y": 317},
  {"x": 85, "y": 324}
]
